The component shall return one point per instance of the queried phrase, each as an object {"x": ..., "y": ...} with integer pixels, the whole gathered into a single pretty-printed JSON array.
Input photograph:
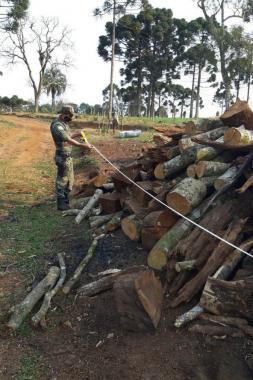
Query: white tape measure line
[{"x": 171, "y": 209}]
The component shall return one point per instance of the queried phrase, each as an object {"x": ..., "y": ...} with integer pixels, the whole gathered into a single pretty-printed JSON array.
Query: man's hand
[{"x": 86, "y": 146}]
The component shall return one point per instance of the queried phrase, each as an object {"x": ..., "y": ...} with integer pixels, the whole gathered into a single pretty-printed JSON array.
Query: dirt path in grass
[{"x": 84, "y": 339}]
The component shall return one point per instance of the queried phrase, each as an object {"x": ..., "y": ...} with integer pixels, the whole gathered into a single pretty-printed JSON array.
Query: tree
[
  {"x": 11, "y": 12},
  {"x": 217, "y": 13},
  {"x": 45, "y": 39},
  {"x": 55, "y": 83},
  {"x": 115, "y": 7}
]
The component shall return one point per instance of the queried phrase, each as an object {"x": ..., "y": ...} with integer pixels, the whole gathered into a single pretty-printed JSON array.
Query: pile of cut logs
[{"x": 192, "y": 170}]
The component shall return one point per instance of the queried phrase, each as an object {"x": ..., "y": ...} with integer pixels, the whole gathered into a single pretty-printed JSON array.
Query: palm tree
[{"x": 55, "y": 83}]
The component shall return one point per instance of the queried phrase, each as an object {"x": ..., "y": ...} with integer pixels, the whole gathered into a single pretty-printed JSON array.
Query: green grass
[
  {"x": 29, "y": 368},
  {"x": 44, "y": 168},
  {"x": 29, "y": 235},
  {"x": 7, "y": 124}
]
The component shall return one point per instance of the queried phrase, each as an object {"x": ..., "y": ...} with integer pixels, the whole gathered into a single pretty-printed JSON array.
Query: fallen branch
[
  {"x": 40, "y": 316},
  {"x": 26, "y": 306},
  {"x": 71, "y": 282},
  {"x": 92, "y": 202},
  {"x": 73, "y": 211}
]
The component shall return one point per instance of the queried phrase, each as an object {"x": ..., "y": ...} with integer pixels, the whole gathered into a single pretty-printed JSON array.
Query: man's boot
[
  {"x": 62, "y": 205},
  {"x": 66, "y": 198}
]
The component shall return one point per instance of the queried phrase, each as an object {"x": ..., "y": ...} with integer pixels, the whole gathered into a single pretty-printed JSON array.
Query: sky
[{"x": 89, "y": 74}]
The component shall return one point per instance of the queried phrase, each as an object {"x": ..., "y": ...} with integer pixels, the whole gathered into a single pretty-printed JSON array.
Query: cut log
[
  {"x": 191, "y": 171},
  {"x": 235, "y": 135},
  {"x": 110, "y": 202},
  {"x": 202, "y": 125},
  {"x": 215, "y": 134},
  {"x": 139, "y": 299},
  {"x": 222, "y": 146},
  {"x": 226, "y": 178},
  {"x": 132, "y": 172},
  {"x": 176, "y": 165},
  {"x": 217, "y": 331},
  {"x": 186, "y": 196},
  {"x": 208, "y": 153},
  {"x": 158, "y": 256},
  {"x": 107, "y": 282},
  {"x": 239, "y": 113},
  {"x": 133, "y": 206},
  {"x": 99, "y": 180},
  {"x": 113, "y": 224},
  {"x": 229, "y": 297},
  {"x": 71, "y": 282},
  {"x": 218, "y": 256},
  {"x": 26, "y": 306},
  {"x": 242, "y": 324},
  {"x": 97, "y": 221},
  {"x": 40, "y": 316},
  {"x": 92, "y": 202},
  {"x": 163, "y": 218},
  {"x": 131, "y": 226},
  {"x": 141, "y": 197},
  {"x": 151, "y": 235},
  {"x": 160, "y": 139},
  {"x": 211, "y": 168}
]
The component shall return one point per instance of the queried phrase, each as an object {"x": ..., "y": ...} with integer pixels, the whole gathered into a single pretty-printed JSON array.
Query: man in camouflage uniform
[{"x": 63, "y": 142}]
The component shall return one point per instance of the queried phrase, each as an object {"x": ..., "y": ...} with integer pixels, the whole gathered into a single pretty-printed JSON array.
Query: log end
[
  {"x": 200, "y": 169},
  {"x": 159, "y": 173},
  {"x": 178, "y": 203},
  {"x": 157, "y": 259}
]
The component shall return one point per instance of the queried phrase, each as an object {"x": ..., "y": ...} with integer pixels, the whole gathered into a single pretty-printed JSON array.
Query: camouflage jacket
[{"x": 61, "y": 133}]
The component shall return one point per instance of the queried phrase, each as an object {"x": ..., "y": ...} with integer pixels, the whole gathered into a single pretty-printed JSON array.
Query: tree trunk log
[
  {"x": 185, "y": 265},
  {"x": 234, "y": 135},
  {"x": 131, "y": 226},
  {"x": 229, "y": 297},
  {"x": 213, "y": 263},
  {"x": 217, "y": 331},
  {"x": 191, "y": 171},
  {"x": 203, "y": 125},
  {"x": 187, "y": 195},
  {"x": 141, "y": 197},
  {"x": 106, "y": 283},
  {"x": 40, "y": 316},
  {"x": 175, "y": 165},
  {"x": 151, "y": 235},
  {"x": 92, "y": 202},
  {"x": 226, "y": 178},
  {"x": 239, "y": 113},
  {"x": 163, "y": 218},
  {"x": 240, "y": 323},
  {"x": 110, "y": 202},
  {"x": 214, "y": 134},
  {"x": 26, "y": 306},
  {"x": 97, "y": 221},
  {"x": 208, "y": 153},
  {"x": 158, "y": 256},
  {"x": 139, "y": 299},
  {"x": 211, "y": 168}
]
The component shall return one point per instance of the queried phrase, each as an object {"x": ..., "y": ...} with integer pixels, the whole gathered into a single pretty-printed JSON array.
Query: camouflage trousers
[{"x": 65, "y": 176}]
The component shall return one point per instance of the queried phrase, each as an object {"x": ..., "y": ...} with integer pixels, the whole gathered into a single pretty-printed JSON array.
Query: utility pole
[{"x": 112, "y": 62}]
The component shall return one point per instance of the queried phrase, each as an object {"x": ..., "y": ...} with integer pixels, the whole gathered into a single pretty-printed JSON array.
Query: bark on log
[
  {"x": 106, "y": 283},
  {"x": 240, "y": 323},
  {"x": 71, "y": 282},
  {"x": 26, "y": 306},
  {"x": 176, "y": 165},
  {"x": 226, "y": 178},
  {"x": 229, "y": 297},
  {"x": 187, "y": 195},
  {"x": 215, "y": 134},
  {"x": 139, "y": 299},
  {"x": 92, "y": 202},
  {"x": 163, "y": 218},
  {"x": 158, "y": 256},
  {"x": 132, "y": 172},
  {"x": 191, "y": 171},
  {"x": 79, "y": 203},
  {"x": 113, "y": 224},
  {"x": 213, "y": 263},
  {"x": 239, "y": 113},
  {"x": 211, "y": 168},
  {"x": 141, "y": 197},
  {"x": 97, "y": 221},
  {"x": 202, "y": 125},
  {"x": 131, "y": 226},
  {"x": 40, "y": 316},
  {"x": 222, "y": 146},
  {"x": 110, "y": 202},
  {"x": 217, "y": 331},
  {"x": 71, "y": 212},
  {"x": 151, "y": 235},
  {"x": 208, "y": 153}
]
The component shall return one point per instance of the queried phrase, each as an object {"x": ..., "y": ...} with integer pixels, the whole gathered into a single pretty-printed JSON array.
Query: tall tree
[
  {"x": 55, "y": 83},
  {"x": 217, "y": 13},
  {"x": 44, "y": 38},
  {"x": 11, "y": 12},
  {"x": 116, "y": 8}
]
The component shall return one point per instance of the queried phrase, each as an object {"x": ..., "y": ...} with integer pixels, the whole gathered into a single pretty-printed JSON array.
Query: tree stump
[
  {"x": 139, "y": 299},
  {"x": 239, "y": 113}
]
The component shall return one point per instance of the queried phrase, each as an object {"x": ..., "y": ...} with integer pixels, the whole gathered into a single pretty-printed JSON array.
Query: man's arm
[{"x": 73, "y": 142}]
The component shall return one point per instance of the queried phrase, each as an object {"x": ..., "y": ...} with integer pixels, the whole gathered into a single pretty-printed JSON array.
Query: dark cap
[{"x": 67, "y": 110}]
